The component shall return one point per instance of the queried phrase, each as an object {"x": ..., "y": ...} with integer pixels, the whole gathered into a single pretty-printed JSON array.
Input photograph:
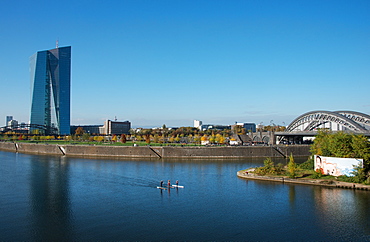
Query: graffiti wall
[{"x": 336, "y": 166}]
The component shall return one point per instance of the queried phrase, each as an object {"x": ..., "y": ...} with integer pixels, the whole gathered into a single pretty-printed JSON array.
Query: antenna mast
[{"x": 57, "y": 43}]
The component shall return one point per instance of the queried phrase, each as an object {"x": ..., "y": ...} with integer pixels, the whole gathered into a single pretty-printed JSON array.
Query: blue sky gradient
[{"x": 170, "y": 62}]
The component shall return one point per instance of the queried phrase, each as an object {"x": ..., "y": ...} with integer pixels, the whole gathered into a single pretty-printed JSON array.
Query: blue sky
[{"x": 169, "y": 62}]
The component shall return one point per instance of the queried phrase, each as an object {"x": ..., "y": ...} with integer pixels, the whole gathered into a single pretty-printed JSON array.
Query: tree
[
  {"x": 86, "y": 136},
  {"x": 344, "y": 145},
  {"x": 340, "y": 145},
  {"x": 147, "y": 138},
  {"x": 196, "y": 139},
  {"x": 320, "y": 145},
  {"x": 98, "y": 138},
  {"x": 139, "y": 137},
  {"x": 292, "y": 167},
  {"x": 212, "y": 139},
  {"x": 220, "y": 139},
  {"x": 79, "y": 131},
  {"x": 204, "y": 138},
  {"x": 155, "y": 138},
  {"x": 267, "y": 169},
  {"x": 123, "y": 139},
  {"x": 177, "y": 139}
]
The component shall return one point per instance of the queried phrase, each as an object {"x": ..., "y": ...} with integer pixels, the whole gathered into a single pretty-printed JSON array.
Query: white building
[{"x": 198, "y": 124}]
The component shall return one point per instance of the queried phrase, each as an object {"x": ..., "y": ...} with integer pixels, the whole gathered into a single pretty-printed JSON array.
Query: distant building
[
  {"x": 205, "y": 127},
  {"x": 12, "y": 123},
  {"x": 197, "y": 124},
  {"x": 113, "y": 127},
  {"x": 90, "y": 129},
  {"x": 50, "y": 72},
  {"x": 8, "y": 118},
  {"x": 109, "y": 128},
  {"x": 249, "y": 127}
]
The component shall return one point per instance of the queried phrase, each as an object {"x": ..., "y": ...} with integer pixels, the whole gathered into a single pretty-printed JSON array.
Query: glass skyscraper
[{"x": 51, "y": 89}]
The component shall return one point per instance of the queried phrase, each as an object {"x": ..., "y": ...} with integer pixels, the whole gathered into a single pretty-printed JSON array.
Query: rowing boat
[{"x": 177, "y": 186}]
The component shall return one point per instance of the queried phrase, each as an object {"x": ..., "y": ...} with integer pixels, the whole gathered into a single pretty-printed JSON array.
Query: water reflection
[
  {"x": 341, "y": 209},
  {"x": 49, "y": 197},
  {"x": 89, "y": 199},
  {"x": 292, "y": 196}
]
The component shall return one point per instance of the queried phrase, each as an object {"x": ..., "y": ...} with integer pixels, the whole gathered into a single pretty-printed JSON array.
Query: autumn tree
[
  {"x": 79, "y": 131},
  {"x": 212, "y": 139},
  {"x": 220, "y": 139},
  {"x": 156, "y": 138},
  {"x": 147, "y": 138},
  {"x": 98, "y": 138},
  {"x": 196, "y": 139},
  {"x": 123, "y": 139},
  {"x": 177, "y": 139}
]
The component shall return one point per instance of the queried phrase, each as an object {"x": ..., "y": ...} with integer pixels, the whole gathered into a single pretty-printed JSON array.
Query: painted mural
[{"x": 336, "y": 166}]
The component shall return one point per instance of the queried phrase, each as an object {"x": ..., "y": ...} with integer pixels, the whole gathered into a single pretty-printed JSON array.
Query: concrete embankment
[
  {"x": 317, "y": 182},
  {"x": 156, "y": 151}
]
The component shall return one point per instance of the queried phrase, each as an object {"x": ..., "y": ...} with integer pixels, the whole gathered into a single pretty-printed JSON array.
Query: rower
[
  {"x": 169, "y": 183},
  {"x": 161, "y": 183},
  {"x": 177, "y": 182}
]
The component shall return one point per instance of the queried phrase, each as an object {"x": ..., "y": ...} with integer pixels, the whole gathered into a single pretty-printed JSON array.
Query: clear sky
[{"x": 156, "y": 62}]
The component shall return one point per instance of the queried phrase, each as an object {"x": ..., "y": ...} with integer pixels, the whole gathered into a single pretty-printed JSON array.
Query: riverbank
[
  {"x": 247, "y": 174},
  {"x": 91, "y": 151}
]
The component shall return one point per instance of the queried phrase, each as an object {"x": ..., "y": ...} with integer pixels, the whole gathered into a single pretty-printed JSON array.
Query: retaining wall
[
  {"x": 317, "y": 182},
  {"x": 156, "y": 152}
]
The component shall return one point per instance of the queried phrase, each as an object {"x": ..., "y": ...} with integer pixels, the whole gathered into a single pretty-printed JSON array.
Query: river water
[{"x": 49, "y": 198}]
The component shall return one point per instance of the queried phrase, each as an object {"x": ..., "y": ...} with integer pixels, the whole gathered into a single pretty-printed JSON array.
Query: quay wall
[
  {"x": 318, "y": 182},
  {"x": 156, "y": 151}
]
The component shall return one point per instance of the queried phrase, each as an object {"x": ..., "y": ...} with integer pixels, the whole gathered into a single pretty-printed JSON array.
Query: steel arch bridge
[
  {"x": 308, "y": 124},
  {"x": 335, "y": 121},
  {"x": 26, "y": 128}
]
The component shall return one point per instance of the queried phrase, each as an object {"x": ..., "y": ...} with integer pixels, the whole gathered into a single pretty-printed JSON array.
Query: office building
[
  {"x": 109, "y": 128},
  {"x": 8, "y": 118},
  {"x": 50, "y": 72},
  {"x": 113, "y": 127}
]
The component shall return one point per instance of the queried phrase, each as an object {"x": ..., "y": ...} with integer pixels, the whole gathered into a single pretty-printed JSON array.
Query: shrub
[
  {"x": 267, "y": 169},
  {"x": 317, "y": 174},
  {"x": 307, "y": 165}
]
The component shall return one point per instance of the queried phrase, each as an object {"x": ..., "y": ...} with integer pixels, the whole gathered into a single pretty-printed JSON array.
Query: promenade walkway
[{"x": 246, "y": 174}]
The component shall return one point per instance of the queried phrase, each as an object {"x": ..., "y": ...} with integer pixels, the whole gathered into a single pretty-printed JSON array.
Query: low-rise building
[
  {"x": 109, "y": 128},
  {"x": 115, "y": 127}
]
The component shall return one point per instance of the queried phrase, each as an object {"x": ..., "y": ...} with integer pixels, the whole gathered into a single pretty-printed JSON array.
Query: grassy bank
[{"x": 304, "y": 171}]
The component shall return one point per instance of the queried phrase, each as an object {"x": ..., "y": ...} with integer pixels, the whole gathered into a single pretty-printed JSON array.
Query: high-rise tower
[{"x": 51, "y": 89}]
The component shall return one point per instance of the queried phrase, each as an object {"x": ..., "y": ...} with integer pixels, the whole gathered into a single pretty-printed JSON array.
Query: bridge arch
[{"x": 336, "y": 121}]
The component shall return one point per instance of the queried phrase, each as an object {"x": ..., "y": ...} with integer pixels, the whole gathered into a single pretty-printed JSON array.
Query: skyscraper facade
[
  {"x": 50, "y": 72},
  {"x": 8, "y": 118}
]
